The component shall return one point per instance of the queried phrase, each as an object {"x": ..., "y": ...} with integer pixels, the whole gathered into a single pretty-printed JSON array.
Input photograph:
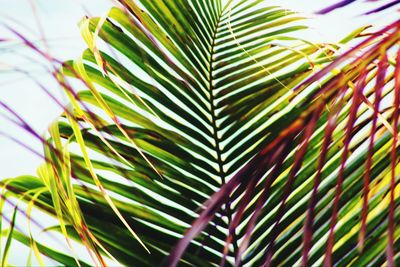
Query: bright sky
[{"x": 59, "y": 20}]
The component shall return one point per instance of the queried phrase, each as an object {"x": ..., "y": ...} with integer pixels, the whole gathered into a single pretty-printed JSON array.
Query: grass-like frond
[{"x": 204, "y": 133}]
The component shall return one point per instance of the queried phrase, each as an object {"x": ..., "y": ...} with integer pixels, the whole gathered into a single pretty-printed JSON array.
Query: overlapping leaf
[
  {"x": 383, "y": 5},
  {"x": 182, "y": 105}
]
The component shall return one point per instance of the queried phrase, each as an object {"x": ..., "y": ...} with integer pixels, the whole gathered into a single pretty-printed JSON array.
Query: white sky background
[{"x": 59, "y": 20}]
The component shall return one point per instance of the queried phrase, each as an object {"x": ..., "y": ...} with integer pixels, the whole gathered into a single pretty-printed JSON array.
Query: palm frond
[
  {"x": 279, "y": 178},
  {"x": 186, "y": 107}
]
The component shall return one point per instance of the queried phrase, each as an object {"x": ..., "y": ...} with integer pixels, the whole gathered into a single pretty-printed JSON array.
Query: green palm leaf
[{"x": 185, "y": 105}]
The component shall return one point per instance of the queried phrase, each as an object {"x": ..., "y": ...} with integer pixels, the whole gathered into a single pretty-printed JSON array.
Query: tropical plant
[{"x": 205, "y": 134}]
